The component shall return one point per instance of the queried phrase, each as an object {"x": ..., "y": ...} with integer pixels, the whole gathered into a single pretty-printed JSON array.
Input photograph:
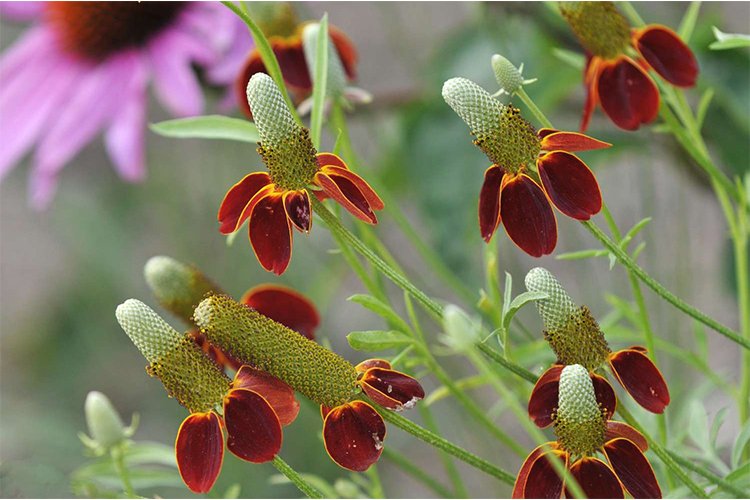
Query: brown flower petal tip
[
  {"x": 271, "y": 234},
  {"x": 570, "y": 185},
  {"x": 391, "y": 389},
  {"x": 253, "y": 429},
  {"x": 632, "y": 468},
  {"x": 200, "y": 451},
  {"x": 277, "y": 393},
  {"x": 353, "y": 434},
  {"x": 286, "y": 306},
  {"x": 667, "y": 55},
  {"x": 641, "y": 378},
  {"x": 527, "y": 215},
  {"x": 596, "y": 479},
  {"x": 543, "y": 400},
  {"x": 372, "y": 363},
  {"x": 627, "y": 94},
  {"x": 555, "y": 140}
]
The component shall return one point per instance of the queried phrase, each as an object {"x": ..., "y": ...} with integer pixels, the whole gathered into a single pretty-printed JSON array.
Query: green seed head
[
  {"x": 178, "y": 287},
  {"x": 579, "y": 421},
  {"x": 187, "y": 373},
  {"x": 599, "y": 26},
  {"x": 571, "y": 331},
  {"x": 285, "y": 146},
  {"x": 321, "y": 375},
  {"x": 104, "y": 423},
  {"x": 508, "y": 76},
  {"x": 336, "y": 77}
]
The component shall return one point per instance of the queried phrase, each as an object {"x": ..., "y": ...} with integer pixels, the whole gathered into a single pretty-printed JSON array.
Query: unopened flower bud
[
  {"x": 461, "y": 331},
  {"x": 508, "y": 76},
  {"x": 336, "y": 77},
  {"x": 104, "y": 423},
  {"x": 579, "y": 421},
  {"x": 178, "y": 287}
]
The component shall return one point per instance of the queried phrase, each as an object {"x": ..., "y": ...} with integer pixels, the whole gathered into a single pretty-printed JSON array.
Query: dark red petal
[
  {"x": 231, "y": 214},
  {"x": 291, "y": 57},
  {"x": 298, "y": 209},
  {"x": 489, "y": 202},
  {"x": 605, "y": 395},
  {"x": 545, "y": 131},
  {"x": 570, "y": 142},
  {"x": 596, "y": 479},
  {"x": 326, "y": 159},
  {"x": 542, "y": 480},
  {"x": 392, "y": 389},
  {"x": 200, "y": 451},
  {"x": 286, "y": 306},
  {"x": 632, "y": 468},
  {"x": 617, "y": 429},
  {"x": 353, "y": 435},
  {"x": 253, "y": 64},
  {"x": 324, "y": 411},
  {"x": 276, "y": 392},
  {"x": 527, "y": 216},
  {"x": 346, "y": 193},
  {"x": 641, "y": 378},
  {"x": 523, "y": 474},
  {"x": 570, "y": 184},
  {"x": 347, "y": 51},
  {"x": 213, "y": 352},
  {"x": 253, "y": 429},
  {"x": 372, "y": 363},
  {"x": 370, "y": 195},
  {"x": 543, "y": 400},
  {"x": 667, "y": 54},
  {"x": 271, "y": 234},
  {"x": 590, "y": 83},
  {"x": 627, "y": 94}
]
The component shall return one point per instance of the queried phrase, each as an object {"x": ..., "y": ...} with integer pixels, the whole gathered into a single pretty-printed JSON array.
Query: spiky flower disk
[
  {"x": 507, "y": 75},
  {"x": 246, "y": 335},
  {"x": 501, "y": 133},
  {"x": 571, "y": 331},
  {"x": 285, "y": 146},
  {"x": 178, "y": 287},
  {"x": 600, "y": 27},
  {"x": 187, "y": 373},
  {"x": 579, "y": 422},
  {"x": 336, "y": 78}
]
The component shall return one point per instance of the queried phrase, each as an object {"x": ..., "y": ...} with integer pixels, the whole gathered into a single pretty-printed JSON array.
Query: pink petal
[{"x": 20, "y": 11}]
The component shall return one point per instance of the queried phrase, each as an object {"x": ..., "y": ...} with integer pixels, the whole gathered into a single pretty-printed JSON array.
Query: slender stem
[
  {"x": 420, "y": 475},
  {"x": 119, "y": 462},
  {"x": 498, "y": 358},
  {"x": 719, "y": 481},
  {"x": 438, "y": 442},
  {"x": 450, "y": 467},
  {"x": 309, "y": 490},
  {"x": 743, "y": 292},
  {"x": 521, "y": 93},
  {"x": 376, "y": 486},
  {"x": 657, "y": 287},
  {"x": 632, "y": 14}
]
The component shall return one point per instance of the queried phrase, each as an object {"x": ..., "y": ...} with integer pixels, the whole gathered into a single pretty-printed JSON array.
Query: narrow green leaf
[
  {"x": 208, "y": 127},
  {"x": 725, "y": 41},
  {"x": 507, "y": 293},
  {"x": 637, "y": 228},
  {"x": 641, "y": 246},
  {"x": 381, "y": 309},
  {"x": 520, "y": 301},
  {"x": 377, "y": 340},
  {"x": 703, "y": 105},
  {"x": 320, "y": 81},
  {"x": 742, "y": 441},
  {"x": 574, "y": 59},
  {"x": 688, "y": 21},
  {"x": 582, "y": 254}
]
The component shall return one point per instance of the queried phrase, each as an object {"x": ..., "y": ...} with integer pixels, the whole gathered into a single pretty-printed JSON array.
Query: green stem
[
  {"x": 657, "y": 287},
  {"x": 406, "y": 465},
  {"x": 119, "y": 462},
  {"x": 296, "y": 479},
  {"x": 450, "y": 467},
  {"x": 445, "y": 445},
  {"x": 743, "y": 293},
  {"x": 521, "y": 93},
  {"x": 499, "y": 359},
  {"x": 376, "y": 486},
  {"x": 719, "y": 481}
]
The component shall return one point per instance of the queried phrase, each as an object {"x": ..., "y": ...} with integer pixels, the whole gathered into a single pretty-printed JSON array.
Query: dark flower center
[{"x": 95, "y": 30}]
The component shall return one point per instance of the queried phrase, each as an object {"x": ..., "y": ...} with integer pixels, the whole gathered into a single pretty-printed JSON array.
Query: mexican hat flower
[
  {"x": 353, "y": 430},
  {"x": 180, "y": 287},
  {"x": 617, "y": 61},
  {"x": 252, "y": 407},
  {"x": 85, "y": 67},
  {"x": 278, "y": 200},
  {"x": 531, "y": 170},
  {"x": 584, "y": 431},
  {"x": 576, "y": 338}
]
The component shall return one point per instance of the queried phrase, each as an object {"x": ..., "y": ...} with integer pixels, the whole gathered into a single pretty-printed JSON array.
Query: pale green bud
[
  {"x": 336, "y": 77},
  {"x": 178, "y": 287},
  {"x": 104, "y": 423},
  {"x": 461, "y": 330},
  {"x": 508, "y": 76}
]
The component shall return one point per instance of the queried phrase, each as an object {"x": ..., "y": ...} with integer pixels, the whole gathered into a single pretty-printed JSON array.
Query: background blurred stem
[
  {"x": 450, "y": 467},
  {"x": 309, "y": 490},
  {"x": 420, "y": 475},
  {"x": 118, "y": 461}
]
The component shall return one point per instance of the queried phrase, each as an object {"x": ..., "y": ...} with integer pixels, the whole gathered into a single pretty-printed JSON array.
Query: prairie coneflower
[{"x": 85, "y": 68}]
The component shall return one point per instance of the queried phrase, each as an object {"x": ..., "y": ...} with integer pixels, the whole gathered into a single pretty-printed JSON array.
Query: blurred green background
[{"x": 64, "y": 271}]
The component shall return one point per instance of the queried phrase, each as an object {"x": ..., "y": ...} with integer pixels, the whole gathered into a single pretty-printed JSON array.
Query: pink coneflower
[{"x": 84, "y": 68}]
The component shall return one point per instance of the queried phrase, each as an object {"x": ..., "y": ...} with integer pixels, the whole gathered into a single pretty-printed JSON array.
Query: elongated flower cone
[
  {"x": 178, "y": 287},
  {"x": 579, "y": 424}
]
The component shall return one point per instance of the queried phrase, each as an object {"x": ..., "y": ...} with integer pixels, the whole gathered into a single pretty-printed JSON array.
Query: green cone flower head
[
  {"x": 507, "y": 75},
  {"x": 188, "y": 375},
  {"x": 309, "y": 368},
  {"x": 336, "y": 77},
  {"x": 571, "y": 331},
  {"x": 178, "y": 287},
  {"x": 580, "y": 424},
  {"x": 601, "y": 28},
  {"x": 285, "y": 145},
  {"x": 500, "y": 131}
]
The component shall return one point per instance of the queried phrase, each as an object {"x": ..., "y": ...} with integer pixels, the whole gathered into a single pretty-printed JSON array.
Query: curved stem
[
  {"x": 719, "y": 481},
  {"x": 309, "y": 490},
  {"x": 450, "y": 467},
  {"x": 420, "y": 475},
  {"x": 118, "y": 461},
  {"x": 521, "y": 93}
]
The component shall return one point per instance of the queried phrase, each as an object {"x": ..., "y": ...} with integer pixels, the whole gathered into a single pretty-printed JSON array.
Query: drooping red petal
[
  {"x": 298, "y": 209},
  {"x": 231, "y": 214},
  {"x": 346, "y": 193},
  {"x": 392, "y": 389},
  {"x": 200, "y": 451},
  {"x": 617, "y": 429},
  {"x": 291, "y": 56},
  {"x": 641, "y": 378},
  {"x": 372, "y": 363},
  {"x": 542, "y": 480},
  {"x": 369, "y": 194},
  {"x": 347, "y": 51},
  {"x": 570, "y": 184},
  {"x": 543, "y": 400},
  {"x": 253, "y": 428},
  {"x": 667, "y": 54},
  {"x": 605, "y": 395},
  {"x": 324, "y": 411},
  {"x": 523, "y": 474},
  {"x": 627, "y": 94},
  {"x": 325, "y": 159},
  {"x": 353, "y": 435},
  {"x": 596, "y": 479},
  {"x": 489, "y": 202},
  {"x": 253, "y": 64},
  {"x": 286, "y": 306},
  {"x": 527, "y": 216},
  {"x": 276, "y": 392},
  {"x": 570, "y": 142},
  {"x": 271, "y": 234},
  {"x": 590, "y": 83},
  {"x": 632, "y": 468}
]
